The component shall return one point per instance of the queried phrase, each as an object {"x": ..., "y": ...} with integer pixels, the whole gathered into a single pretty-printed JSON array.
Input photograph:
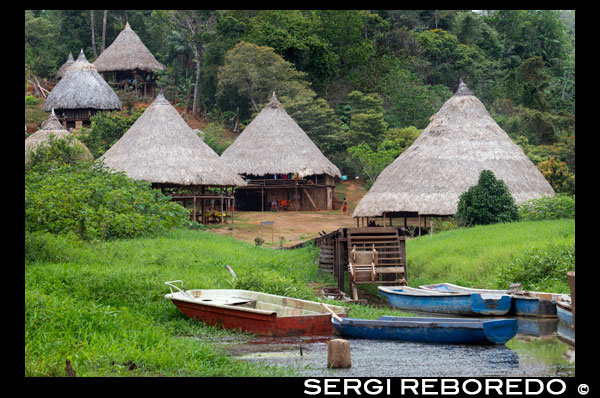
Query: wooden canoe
[
  {"x": 413, "y": 299},
  {"x": 255, "y": 312},
  {"x": 538, "y": 304},
  {"x": 564, "y": 312},
  {"x": 430, "y": 330}
]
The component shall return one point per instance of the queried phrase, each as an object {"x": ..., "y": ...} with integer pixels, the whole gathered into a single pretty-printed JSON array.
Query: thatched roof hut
[
  {"x": 127, "y": 53},
  {"x": 52, "y": 127},
  {"x": 273, "y": 143},
  {"x": 81, "y": 88},
  {"x": 160, "y": 147},
  {"x": 461, "y": 141},
  {"x": 63, "y": 69}
]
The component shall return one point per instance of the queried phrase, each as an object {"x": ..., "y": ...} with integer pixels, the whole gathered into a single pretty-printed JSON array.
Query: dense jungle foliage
[{"x": 361, "y": 83}]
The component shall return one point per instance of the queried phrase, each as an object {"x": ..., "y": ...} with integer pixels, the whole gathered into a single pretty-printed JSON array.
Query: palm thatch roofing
[
  {"x": 52, "y": 127},
  {"x": 127, "y": 52},
  {"x": 82, "y": 87},
  {"x": 160, "y": 147},
  {"x": 461, "y": 140},
  {"x": 63, "y": 69},
  {"x": 273, "y": 143}
]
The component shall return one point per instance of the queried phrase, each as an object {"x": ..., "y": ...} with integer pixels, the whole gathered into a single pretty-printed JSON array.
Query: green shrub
[
  {"x": 56, "y": 152},
  {"x": 488, "y": 202},
  {"x": 540, "y": 269},
  {"x": 93, "y": 203},
  {"x": 106, "y": 129},
  {"x": 548, "y": 208},
  {"x": 31, "y": 100}
]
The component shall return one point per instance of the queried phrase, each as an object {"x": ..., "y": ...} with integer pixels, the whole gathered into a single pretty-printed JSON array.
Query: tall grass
[
  {"x": 101, "y": 305},
  {"x": 476, "y": 256}
]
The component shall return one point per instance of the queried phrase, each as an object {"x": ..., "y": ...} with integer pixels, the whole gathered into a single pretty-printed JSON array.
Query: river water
[{"x": 536, "y": 351}]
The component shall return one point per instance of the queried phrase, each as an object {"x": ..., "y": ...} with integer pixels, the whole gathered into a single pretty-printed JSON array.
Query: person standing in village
[{"x": 345, "y": 206}]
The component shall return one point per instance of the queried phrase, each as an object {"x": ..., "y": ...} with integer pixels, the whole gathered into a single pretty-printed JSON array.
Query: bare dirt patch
[{"x": 292, "y": 227}]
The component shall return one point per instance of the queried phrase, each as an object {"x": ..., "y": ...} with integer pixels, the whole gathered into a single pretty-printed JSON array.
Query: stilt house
[
  {"x": 80, "y": 94},
  {"x": 161, "y": 148},
  {"x": 283, "y": 168},
  {"x": 128, "y": 62},
  {"x": 427, "y": 179}
]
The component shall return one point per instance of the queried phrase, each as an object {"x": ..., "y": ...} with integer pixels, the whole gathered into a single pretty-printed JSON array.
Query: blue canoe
[
  {"x": 538, "y": 304},
  {"x": 412, "y": 299},
  {"x": 429, "y": 330}
]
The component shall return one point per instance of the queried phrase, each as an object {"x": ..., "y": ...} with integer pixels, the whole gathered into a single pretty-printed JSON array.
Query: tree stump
[{"x": 338, "y": 354}]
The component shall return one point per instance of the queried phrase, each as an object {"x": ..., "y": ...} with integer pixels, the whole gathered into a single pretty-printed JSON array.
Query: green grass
[
  {"x": 474, "y": 257},
  {"x": 101, "y": 304}
]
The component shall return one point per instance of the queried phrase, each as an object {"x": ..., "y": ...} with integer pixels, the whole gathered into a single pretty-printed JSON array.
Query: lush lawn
[{"x": 101, "y": 304}]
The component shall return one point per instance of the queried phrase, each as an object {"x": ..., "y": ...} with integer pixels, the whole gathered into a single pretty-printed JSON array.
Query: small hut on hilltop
[
  {"x": 281, "y": 165},
  {"x": 51, "y": 127},
  {"x": 428, "y": 178},
  {"x": 80, "y": 94},
  {"x": 63, "y": 69},
  {"x": 161, "y": 148},
  {"x": 129, "y": 62}
]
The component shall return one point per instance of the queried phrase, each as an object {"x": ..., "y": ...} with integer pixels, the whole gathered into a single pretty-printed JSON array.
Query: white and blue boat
[
  {"x": 523, "y": 303},
  {"x": 456, "y": 303},
  {"x": 429, "y": 330},
  {"x": 564, "y": 312}
]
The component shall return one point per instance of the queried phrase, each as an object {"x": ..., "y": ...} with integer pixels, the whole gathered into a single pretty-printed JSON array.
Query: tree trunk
[
  {"x": 93, "y": 33},
  {"x": 104, "y": 31},
  {"x": 196, "y": 85}
]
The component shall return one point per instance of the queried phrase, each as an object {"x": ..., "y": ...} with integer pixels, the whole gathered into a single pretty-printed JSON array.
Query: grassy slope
[
  {"x": 101, "y": 304},
  {"x": 474, "y": 256}
]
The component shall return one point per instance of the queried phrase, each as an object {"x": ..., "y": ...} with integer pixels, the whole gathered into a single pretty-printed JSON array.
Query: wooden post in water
[{"x": 338, "y": 354}]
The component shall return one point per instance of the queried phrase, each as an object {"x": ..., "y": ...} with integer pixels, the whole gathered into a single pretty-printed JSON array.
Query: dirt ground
[{"x": 292, "y": 227}]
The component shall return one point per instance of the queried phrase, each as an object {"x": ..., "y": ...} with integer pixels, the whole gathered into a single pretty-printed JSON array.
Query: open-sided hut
[
  {"x": 161, "y": 148},
  {"x": 281, "y": 164},
  {"x": 127, "y": 61},
  {"x": 80, "y": 94},
  {"x": 63, "y": 69},
  {"x": 428, "y": 178},
  {"x": 51, "y": 127}
]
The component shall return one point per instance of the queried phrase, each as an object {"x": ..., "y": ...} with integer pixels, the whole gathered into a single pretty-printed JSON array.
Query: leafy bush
[
  {"x": 488, "y": 202},
  {"x": 56, "y": 151},
  {"x": 93, "y": 203},
  {"x": 31, "y": 100},
  {"x": 540, "y": 269},
  {"x": 106, "y": 129},
  {"x": 548, "y": 208}
]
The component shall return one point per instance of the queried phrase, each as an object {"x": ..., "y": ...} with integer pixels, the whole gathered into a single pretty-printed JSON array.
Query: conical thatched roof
[
  {"x": 82, "y": 87},
  {"x": 273, "y": 143},
  {"x": 63, "y": 69},
  {"x": 160, "y": 147},
  {"x": 52, "y": 127},
  {"x": 127, "y": 52},
  {"x": 445, "y": 161}
]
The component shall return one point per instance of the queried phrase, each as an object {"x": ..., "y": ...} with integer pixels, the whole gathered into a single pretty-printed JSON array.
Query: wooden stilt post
[
  {"x": 194, "y": 212},
  {"x": 419, "y": 221},
  {"x": 221, "y": 200},
  {"x": 202, "y": 205},
  {"x": 262, "y": 199}
]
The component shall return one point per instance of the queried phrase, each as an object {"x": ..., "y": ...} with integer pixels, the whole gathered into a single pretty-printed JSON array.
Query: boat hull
[
  {"x": 536, "y": 304},
  {"x": 430, "y": 330},
  {"x": 565, "y": 314},
  {"x": 261, "y": 322},
  {"x": 457, "y": 304}
]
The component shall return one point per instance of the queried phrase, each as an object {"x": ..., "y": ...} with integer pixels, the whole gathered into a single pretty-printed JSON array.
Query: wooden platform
[{"x": 388, "y": 241}]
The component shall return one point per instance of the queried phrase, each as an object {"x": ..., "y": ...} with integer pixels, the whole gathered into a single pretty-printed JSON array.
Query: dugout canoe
[
  {"x": 254, "y": 312},
  {"x": 430, "y": 330},
  {"x": 413, "y": 299},
  {"x": 564, "y": 312},
  {"x": 523, "y": 303}
]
